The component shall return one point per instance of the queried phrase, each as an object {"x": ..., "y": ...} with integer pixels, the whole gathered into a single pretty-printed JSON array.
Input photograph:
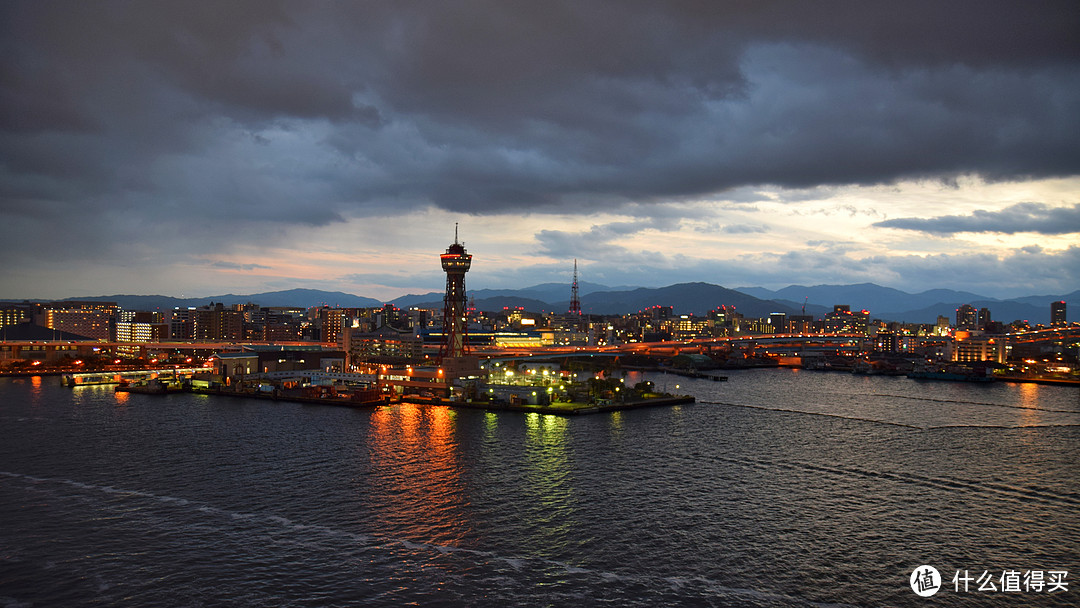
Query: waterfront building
[
  {"x": 974, "y": 348},
  {"x": 95, "y": 324},
  {"x": 91, "y": 319},
  {"x": 385, "y": 345},
  {"x": 275, "y": 359}
]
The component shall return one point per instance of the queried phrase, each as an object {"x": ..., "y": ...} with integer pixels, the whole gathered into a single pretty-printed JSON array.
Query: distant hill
[
  {"x": 923, "y": 307},
  {"x": 812, "y": 310},
  {"x": 545, "y": 293},
  {"x": 1069, "y": 298},
  {"x": 494, "y": 303},
  {"x": 696, "y": 298},
  {"x": 1005, "y": 311},
  {"x": 863, "y": 295},
  {"x": 303, "y": 298},
  {"x": 420, "y": 300}
]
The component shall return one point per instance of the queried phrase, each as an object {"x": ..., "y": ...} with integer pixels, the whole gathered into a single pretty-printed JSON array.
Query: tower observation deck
[{"x": 455, "y": 262}]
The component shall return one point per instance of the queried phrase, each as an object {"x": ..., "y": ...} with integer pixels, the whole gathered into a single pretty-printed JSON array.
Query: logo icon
[{"x": 925, "y": 581}]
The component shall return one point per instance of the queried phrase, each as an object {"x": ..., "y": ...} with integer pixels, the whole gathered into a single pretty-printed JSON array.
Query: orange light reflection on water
[
  {"x": 1029, "y": 394},
  {"x": 415, "y": 453},
  {"x": 35, "y": 389},
  {"x": 1029, "y": 404}
]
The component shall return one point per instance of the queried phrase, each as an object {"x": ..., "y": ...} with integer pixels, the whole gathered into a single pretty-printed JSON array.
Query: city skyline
[{"x": 256, "y": 147}]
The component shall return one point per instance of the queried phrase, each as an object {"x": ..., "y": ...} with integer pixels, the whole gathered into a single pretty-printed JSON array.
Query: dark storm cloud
[
  {"x": 1022, "y": 217},
  {"x": 292, "y": 112}
]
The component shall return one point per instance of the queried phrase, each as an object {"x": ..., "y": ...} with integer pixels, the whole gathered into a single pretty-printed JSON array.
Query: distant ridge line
[{"x": 698, "y": 298}]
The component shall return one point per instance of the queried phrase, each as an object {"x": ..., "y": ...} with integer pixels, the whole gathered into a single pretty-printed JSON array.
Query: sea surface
[{"x": 777, "y": 488}]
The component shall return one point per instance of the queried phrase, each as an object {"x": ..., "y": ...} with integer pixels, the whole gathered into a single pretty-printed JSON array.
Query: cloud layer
[
  {"x": 1021, "y": 217},
  {"x": 164, "y": 131}
]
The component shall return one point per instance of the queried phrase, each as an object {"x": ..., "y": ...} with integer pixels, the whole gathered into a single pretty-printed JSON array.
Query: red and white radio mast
[{"x": 575, "y": 301}]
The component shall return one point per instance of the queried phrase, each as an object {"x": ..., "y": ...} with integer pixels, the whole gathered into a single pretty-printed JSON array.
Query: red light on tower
[{"x": 455, "y": 262}]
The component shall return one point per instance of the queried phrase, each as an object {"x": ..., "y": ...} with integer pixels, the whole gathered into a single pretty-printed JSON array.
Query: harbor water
[{"x": 777, "y": 488}]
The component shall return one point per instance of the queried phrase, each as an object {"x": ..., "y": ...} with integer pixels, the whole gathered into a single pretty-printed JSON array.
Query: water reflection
[
  {"x": 615, "y": 424},
  {"x": 35, "y": 390},
  {"x": 1028, "y": 394},
  {"x": 491, "y": 428},
  {"x": 549, "y": 484},
  {"x": 414, "y": 454},
  {"x": 85, "y": 394}
]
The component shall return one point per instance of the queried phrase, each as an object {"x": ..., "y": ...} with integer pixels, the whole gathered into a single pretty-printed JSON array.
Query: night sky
[{"x": 199, "y": 148}]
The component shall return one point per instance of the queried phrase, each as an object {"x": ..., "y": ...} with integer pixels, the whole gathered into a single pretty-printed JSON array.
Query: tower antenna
[{"x": 575, "y": 301}]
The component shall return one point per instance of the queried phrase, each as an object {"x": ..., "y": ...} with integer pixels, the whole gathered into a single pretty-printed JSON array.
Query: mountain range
[
  {"x": 697, "y": 298},
  {"x": 923, "y": 307}
]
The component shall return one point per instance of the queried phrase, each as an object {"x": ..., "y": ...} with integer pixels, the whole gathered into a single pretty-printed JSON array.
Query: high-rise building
[
  {"x": 330, "y": 321},
  {"x": 455, "y": 262},
  {"x": 215, "y": 322},
  {"x": 941, "y": 328},
  {"x": 140, "y": 331},
  {"x": 887, "y": 341},
  {"x": 842, "y": 321},
  {"x": 1057, "y": 313},
  {"x": 967, "y": 317},
  {"x": 182, "y": 323},
  {"x": 96, "y": 324},
  {"x": 779, "y": 321}
]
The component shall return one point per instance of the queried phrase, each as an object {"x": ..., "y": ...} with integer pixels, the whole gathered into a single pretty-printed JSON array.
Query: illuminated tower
[
  {"x": 575, "y": 301},
  {"x": 455, "y": 263}
]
